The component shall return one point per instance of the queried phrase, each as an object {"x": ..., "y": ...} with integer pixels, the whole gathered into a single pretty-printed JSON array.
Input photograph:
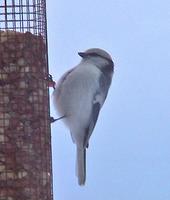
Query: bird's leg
[{"x": 54, "y": 120}]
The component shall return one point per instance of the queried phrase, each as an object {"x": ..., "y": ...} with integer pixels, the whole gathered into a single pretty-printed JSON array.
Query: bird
[{"x": 78, "y": 98}]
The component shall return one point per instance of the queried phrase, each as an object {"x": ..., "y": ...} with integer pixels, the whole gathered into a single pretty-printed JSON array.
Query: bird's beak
[{"x": 82, "y": 54}]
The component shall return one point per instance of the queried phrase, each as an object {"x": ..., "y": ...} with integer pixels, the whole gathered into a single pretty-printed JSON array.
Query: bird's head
[{"x": 97, "y": 56}]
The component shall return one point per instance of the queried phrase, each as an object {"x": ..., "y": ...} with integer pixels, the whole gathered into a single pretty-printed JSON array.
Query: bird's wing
[
  {"x": 98, "y": 100},
  {"x": 105, "y": 82},
  {"x": 93, "y": 120}
]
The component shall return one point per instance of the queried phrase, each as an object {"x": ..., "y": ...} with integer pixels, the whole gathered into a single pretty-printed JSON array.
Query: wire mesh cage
[
  {"x": 25, "y": 140},
  {"x": 24, "y": 15}
]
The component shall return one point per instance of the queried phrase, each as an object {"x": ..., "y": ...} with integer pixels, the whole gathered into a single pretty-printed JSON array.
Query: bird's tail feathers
[{"x": 81, "y": 165}]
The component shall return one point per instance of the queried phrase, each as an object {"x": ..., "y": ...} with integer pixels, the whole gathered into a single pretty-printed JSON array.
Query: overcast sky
[{"x": 129, "y": 153}]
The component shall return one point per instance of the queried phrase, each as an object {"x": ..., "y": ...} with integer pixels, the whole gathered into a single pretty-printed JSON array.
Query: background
[{"x": 129, "y": 153}]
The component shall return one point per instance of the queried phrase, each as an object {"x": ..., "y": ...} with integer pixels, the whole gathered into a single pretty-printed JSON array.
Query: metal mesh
[
  {"x": 23, "y": 15},
  {"x": 25, "y": 140}
]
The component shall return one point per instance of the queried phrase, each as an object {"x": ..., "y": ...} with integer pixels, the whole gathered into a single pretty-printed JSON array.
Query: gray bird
[{"x": 78, "y": 98}]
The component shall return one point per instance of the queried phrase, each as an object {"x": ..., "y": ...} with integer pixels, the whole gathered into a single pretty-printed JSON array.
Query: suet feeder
[{"x": 25, "y": 138}]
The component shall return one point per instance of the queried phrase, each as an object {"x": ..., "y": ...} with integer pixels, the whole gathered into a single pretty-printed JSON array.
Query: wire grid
[
  {"x": 23, "y": 16},
  {"x": 25, "y": 139}
]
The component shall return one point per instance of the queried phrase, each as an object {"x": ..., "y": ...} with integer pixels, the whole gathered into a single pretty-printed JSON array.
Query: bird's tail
[{"x": 81, "y": 165}]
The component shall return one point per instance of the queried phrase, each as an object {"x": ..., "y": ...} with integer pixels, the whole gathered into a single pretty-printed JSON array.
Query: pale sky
[{"x": 129, "y": 153}]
